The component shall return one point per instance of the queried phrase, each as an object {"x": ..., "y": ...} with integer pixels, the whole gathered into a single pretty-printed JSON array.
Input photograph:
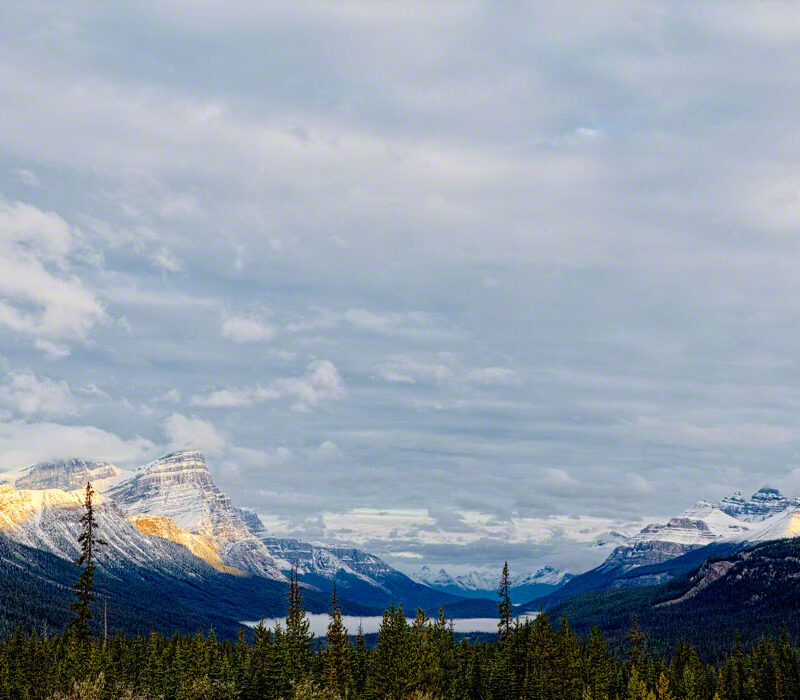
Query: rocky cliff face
[
  {"x": 697, "y": 526},
  {"x": 179, "y": 487},
  {"x": 49, "y": 520},
  {"x": 67, "y": 474},
  {"x": 199, "y": 545},
  {"x": 763, "y": 504}
]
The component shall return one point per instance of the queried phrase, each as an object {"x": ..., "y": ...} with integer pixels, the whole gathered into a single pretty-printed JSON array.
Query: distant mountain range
[
  {"x": 484, "y": 584},
  {"x": 178, "y": 544},
  {"x": 168, "y": 521},
  {"x": 662, "y": 551}
]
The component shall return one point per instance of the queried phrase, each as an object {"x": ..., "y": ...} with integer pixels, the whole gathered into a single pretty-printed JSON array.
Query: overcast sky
[{"x": 457, "y": 282}]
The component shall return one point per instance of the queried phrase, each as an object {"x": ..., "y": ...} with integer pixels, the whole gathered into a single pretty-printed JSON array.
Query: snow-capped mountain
[
  {"x": 67, "y": 474},
  {"x": 358, "y": 574},
  {"x": 699, "y": 525},
  {"x": 484, "y": 584},
  {"x": 782, "y": 525},
  {"x": 179, "y": 487},
  {"x": 172, "y": 509},
  {"x": 763, "y": 504},
  {"x": 49, "y": 520}
]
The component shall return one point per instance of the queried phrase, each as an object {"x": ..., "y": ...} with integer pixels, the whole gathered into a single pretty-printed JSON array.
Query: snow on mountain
[
  {"x": 489, "y": 581},
  {"x": 179, "y": 487},
  {"x": 699, "y": 525},
  {"x": 696, "y": 526},
  {"x": 199, "y": 545},
  {"x": 782, "y": 525},
  {"x": 68, "y": 474},
  {"x": 49, "y": 520},
  {"x": 763, "y": 504}
]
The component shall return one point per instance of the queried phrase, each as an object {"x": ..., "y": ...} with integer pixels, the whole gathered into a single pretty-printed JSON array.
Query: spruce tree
[
  {"x": 360, "y": 663},
  {"x": 84, "y": 595},
  {"x": 504, "y": 608},
  {"x": 298, "y": 638},
  {"x": 337, "y": 654},
  {"x": 391, "y": 668}
]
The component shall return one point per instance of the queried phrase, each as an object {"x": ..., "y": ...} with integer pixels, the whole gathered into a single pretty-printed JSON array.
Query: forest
[{"x": 421, "y": 659}]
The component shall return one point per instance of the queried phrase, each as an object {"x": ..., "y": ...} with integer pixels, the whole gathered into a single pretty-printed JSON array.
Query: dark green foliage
[
  {"x": 538, "y": 661},
  {"x": 84, "y": 586}
]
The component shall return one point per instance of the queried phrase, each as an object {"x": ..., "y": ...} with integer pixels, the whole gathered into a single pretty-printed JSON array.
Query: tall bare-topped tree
[
  {"x": 504, "y": 608},
  {"x": 88, "y": 540}
]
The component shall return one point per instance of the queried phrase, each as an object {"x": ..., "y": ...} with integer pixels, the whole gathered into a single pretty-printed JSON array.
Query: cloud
[
  {"x": 166, "y": 261},
  {"x": 738, "y": 434},
  {"x": 321, "y": 382},
  {"x": 23, "y": 444},
  {"x": 500, "y": 376},
  {"x": 246, "y": 330},
  {"x": 407, "y": 370},
  {"x": 30, "y": 395},
  {"x": 192, "y": 432},
  {"x": 29, "y": 177},
  {"x": 180, "y": 206},
  {"x": 39, "y": 296}
]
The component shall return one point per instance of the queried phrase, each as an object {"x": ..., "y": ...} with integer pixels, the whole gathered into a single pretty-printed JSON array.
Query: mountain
[
  {"x": 179, "y": 487},
  {"x": 484, "y": 584},
  {"x": 782, "y": 524},
  {"x": 718, "y": 598},
  {"x": 358, "y": 575},
  {"x": 67, "y": 474},
  {"x": 699, "y": 526},
  {"x": 167, "y": 523},
  {"x": 764, "y": 503}
]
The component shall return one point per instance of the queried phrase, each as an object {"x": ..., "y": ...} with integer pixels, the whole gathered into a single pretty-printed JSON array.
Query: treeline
[
  {"x": 530, "y": 660},
  {"x": 533, "y": 659}
]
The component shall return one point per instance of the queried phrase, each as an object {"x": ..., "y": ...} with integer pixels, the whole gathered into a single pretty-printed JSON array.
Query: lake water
[{"x": 319, "y": 623}]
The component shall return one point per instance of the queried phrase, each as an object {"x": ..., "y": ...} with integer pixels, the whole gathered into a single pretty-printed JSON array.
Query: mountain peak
[
  {"x": 67, "y": 474},
  {"x": 764, "y": 503}
]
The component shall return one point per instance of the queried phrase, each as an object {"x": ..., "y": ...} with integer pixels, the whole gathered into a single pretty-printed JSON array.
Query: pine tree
[
  {"x": 87, "y": 541},
  {"x": 298, "y": 638},
  {"x": 391, "y": 669},
  {"x": 637, "y": 654},
  {"x": 360, "y": 663},
  {"x": 337, "y": 654},
  {"x": 504, "y": 608}
]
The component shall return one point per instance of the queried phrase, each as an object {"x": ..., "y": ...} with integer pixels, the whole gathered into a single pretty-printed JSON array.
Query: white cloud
[
  {"x": 401, "y": 369},
  {"x": 29, "y": 177},
  {"x": 22, "y": 444},
  {"x": 28, "y": 394},
  {"x": 167, "y": 261},
  {"x": 502, "y": 376},
  {"x": 246, "y": 330},
  {"x": 687, "y": 433},
  {"x": 39, "y": 296},
  {"x": 192, "y": 432},
  {"x": 320, "y": 382},
  {"x": 55, "y": 350},
  {"x": 327, "y": 452},
  {"x": 180, "y": 206}
]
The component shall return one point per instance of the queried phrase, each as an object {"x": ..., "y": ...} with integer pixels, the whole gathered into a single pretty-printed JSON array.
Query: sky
[{"x": 456, "y": 282}]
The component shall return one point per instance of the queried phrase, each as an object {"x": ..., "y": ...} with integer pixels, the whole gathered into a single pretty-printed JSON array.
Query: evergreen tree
[
  {"x": 360, "y": 664},
  {"x": 84, "y": 595},
  {"x": 337, "y": 655},
  {"x": 391, "y": 668},
  {"x": 504, "y": 608},
  {"x": 298, "y": 639}
]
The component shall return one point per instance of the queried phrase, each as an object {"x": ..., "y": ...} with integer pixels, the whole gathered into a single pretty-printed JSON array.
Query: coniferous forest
[{"x": 533, "y": 659}]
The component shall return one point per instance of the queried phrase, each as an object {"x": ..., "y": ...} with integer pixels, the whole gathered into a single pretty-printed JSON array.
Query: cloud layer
[{"x": 488, "y": 280}]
